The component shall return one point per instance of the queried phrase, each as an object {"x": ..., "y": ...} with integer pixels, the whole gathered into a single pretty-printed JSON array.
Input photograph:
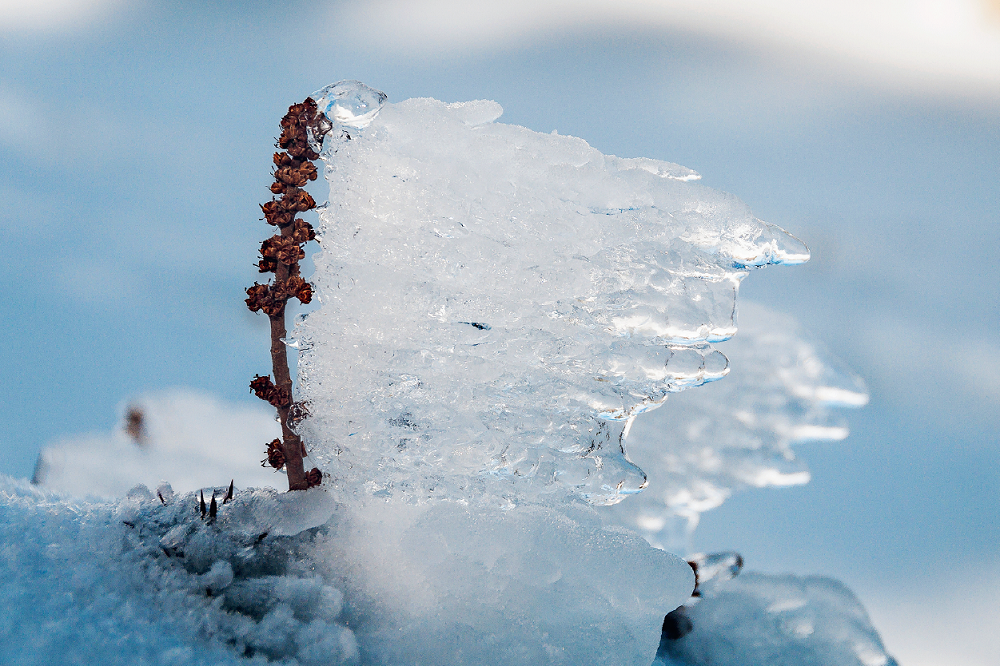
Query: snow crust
[{"x": 140, "y": 581}]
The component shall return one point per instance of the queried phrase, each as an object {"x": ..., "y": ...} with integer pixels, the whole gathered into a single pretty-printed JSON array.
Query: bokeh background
[{"x": 135, "y": 142}]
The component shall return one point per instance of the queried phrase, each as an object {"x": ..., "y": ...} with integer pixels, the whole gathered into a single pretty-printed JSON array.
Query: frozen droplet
[
  {"x": 349, "y": 103},
  {"x": 716, "y": 365},
  {"x": 684, "y": 362}
]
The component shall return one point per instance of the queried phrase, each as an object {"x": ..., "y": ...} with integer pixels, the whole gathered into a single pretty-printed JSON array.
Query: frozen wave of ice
[
  {"x": 498, "y": 304},
  {"x": 701, "y": 446}
]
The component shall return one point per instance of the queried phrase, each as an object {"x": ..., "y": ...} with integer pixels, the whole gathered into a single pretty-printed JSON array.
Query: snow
[
  {"x": 503, "y": 317},
  {"x": 188, "y": 437}
]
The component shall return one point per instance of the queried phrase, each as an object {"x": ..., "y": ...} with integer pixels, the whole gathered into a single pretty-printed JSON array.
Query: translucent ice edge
[
  {"x": 499, "y": 304},
  {"x": 704, "y": 445}
]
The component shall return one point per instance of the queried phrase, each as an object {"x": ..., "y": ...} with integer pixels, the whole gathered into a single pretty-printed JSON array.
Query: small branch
[{"x": 280, "y": 254}]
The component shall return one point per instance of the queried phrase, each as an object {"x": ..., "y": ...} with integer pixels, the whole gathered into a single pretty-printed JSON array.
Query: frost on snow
[{"x": 498, "y": 306}]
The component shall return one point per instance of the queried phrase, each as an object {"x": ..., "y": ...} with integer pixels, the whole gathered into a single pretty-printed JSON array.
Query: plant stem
[{"x": 292, "y": 445}]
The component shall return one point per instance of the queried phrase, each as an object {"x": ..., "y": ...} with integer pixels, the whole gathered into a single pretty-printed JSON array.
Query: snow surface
[
  {"x": 188, "y": 438},
  {"x": 498, "y": 306}
]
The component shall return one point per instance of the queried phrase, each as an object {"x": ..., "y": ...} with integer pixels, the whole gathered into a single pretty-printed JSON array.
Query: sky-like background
[{"x": 135, "y": 143}]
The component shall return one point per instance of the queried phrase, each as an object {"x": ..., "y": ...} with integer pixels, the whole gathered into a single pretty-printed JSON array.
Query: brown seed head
[
  {"x": 275, "y": 454},
  {"x": 297, "y": 200},
  {"x": 259, "y": 297},
  {"x": 302, "y": 231},
  {"x": 314, "y": 477}
]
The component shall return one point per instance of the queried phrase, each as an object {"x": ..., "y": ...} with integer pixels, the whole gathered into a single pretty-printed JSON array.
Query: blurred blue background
[{"x": 135, "y": 143}]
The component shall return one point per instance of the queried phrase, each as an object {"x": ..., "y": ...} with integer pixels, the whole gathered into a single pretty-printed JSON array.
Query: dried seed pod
[
  {"x": 304, "y": 293},
  {"x": 302, "y": 231},
  {"x": 259, "y": 297},
  {"x": 296, "y": 412},
  {"x": 275, "y": 455},
  {"x": 314, "y": 477},
  {"x": 267, "y": 265},
  {"x": 297, "y": 200},
  {"x": 290, "y": 253},
  {"x": 276, "y": 214}
]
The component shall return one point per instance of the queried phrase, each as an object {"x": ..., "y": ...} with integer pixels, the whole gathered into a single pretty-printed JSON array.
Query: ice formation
[
  {"x": 499, "y": 304},
  {"x": 279, "y": 578},
  {"x": 497, "y": 307},
  {"x": 701, "y": 446},
  {"x": 775, "y": 620}
]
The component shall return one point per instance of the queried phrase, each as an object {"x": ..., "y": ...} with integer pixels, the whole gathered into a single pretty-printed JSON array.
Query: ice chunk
[
  {"x": 349, "y": 103},
  {"x": 492, "y": 296},
  {"x": 776, "y": 620},
  {"x": 702, "y": 445},
  {"x": 449, "y": 583}
]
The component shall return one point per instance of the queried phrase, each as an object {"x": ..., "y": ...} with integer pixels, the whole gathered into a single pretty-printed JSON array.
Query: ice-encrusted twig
[{"x": 301, "y": 128}]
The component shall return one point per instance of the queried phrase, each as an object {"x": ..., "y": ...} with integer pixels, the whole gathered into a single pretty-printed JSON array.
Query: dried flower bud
[
  {"x": 267, "y": 265},
  {"x": 275, "y": 213},
  {"x": 304, "y": 293},
  {"x": 297, "y": 200},
  {"x": 289, "y": 253},
  {"x": 259, "y": 297},
  {"x": 298, "y": 411},
  {"x": 265, "y": 389},
  {"x": 302, "y": 231},
  {"x": 314, "y": 477},
  {"x": 275, "y": 455}
]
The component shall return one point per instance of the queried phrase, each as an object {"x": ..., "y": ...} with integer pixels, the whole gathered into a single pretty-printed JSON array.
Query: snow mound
[
  {"x": 150, "y": 580},
  {"x": 775, "y": 620},
  {"x": 498, "y": 304},
  {"x": 156, "y": 578},
  {"x": 701, "y": 446},
  {"x": 189, "y": 438}
]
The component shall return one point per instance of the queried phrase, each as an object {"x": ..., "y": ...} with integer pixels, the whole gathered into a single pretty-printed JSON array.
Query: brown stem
[
  {"x": 281, "y": 256},
  {"x": 291, "y": 443}
]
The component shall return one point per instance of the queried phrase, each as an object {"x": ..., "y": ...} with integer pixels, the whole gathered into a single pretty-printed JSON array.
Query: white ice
[{"x": 498, "y": 304}]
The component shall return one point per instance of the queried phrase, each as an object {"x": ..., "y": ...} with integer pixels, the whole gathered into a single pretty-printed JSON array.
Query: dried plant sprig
[{"x": 302, "y": 128}]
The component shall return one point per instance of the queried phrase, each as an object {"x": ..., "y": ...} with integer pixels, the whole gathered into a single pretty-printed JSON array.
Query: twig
[{"x": 280, "y": 254}]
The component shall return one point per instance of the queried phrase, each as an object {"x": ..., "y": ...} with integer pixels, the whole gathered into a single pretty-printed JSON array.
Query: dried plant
[{"x": 302, "y": 129}]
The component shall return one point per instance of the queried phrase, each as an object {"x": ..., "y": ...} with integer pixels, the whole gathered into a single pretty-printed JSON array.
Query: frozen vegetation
[{"x": 503, "y": 317}]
